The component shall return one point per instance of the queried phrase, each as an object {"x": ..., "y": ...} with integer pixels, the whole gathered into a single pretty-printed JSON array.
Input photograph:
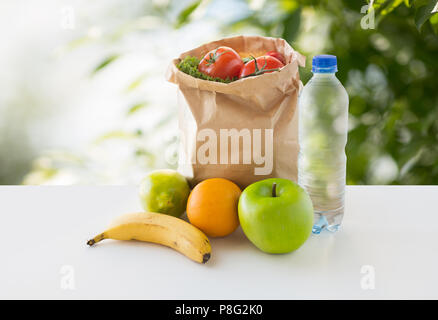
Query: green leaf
[
  {"x": 386, "y": 6},
  {"x": 137, "y": 107},
  {"x": 105, "y": 62},
  {"x": 143, "y": 152},
  {"x": 289, "y": 5},
  {"x": 391, "y": 6},
  {"x": 376, "y": 4},
  {"x": 292, "y": 25},
  {"x": 165, "y": 120},
  {"x": 76, "y": 43},
  {"x": 414, "y": 157},
  {"x": 184, "y": 15},
  {"x": 434, "y": 22},
  {"x": 146, "y": 156},
  {"x": 420, "y": 3},
  {"x": 424, "y": 12},
  {"x": 116, "y": 134},
  {"x": 136, "y": 83}
]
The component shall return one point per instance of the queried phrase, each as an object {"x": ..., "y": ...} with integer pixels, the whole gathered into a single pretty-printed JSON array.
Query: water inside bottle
[{"x": 323, "y": 117}]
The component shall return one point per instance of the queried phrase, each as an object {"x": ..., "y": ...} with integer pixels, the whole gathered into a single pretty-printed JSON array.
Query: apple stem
[{"x": 274, "y": 189}]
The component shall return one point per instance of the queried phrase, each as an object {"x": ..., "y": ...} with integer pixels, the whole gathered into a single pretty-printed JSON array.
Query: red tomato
[
  {"x": 260, "y": 65},
  {"x": 222, "y": 62},
  {"x": 277, "y": 55}
]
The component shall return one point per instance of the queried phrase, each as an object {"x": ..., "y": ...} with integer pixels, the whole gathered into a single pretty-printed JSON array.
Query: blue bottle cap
[{"x": 324, "y": 63}]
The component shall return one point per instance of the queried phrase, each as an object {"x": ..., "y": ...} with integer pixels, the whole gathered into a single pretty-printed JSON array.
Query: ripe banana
[{"x": 162, "y": 229}]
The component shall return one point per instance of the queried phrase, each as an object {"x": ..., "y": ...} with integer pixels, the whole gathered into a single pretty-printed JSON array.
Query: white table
[{"x": 391, "y": 231}]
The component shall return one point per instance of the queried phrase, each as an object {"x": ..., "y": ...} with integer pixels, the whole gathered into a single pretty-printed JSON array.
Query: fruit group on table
[
  {"x": 276, "y": 215},
  {"x": 164, "y": 191},
  {"x": 212, "y": 207},
  {"x": 162, "y": 229}
]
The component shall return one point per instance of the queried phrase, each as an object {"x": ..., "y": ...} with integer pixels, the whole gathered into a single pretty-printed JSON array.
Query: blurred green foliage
[{"x": 388, "y": 61}]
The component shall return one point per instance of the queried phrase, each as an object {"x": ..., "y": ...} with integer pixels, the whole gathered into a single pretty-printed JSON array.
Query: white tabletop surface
[{"x": 389, "y": 234}]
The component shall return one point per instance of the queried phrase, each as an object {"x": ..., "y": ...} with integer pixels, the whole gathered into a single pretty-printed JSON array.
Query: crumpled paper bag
[{"x": 246, "y": 130}]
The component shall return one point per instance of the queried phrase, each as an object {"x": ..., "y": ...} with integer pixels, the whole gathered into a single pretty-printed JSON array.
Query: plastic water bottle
[{"x": 323, "y": 127}]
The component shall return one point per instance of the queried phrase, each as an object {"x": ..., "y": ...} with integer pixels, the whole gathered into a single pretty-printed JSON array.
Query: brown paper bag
[{"x": 246, "y": 130}]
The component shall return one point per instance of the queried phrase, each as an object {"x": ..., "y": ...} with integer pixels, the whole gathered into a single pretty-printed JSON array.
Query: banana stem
[{"x": 96, "y": 239}]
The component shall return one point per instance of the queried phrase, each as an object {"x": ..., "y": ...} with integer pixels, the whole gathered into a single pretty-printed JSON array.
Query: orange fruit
[{"x": 212, "y": 207}]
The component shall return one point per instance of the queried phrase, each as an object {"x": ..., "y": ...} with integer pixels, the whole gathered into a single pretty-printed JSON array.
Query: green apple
[
  {"x": 164, "y": 191},
  {"x": 276, "y": 215}
]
